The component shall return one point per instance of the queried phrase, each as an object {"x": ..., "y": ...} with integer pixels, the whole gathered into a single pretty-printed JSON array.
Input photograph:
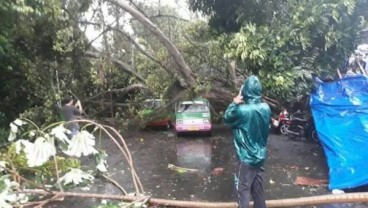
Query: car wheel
[{"x": 284, "y": 128}]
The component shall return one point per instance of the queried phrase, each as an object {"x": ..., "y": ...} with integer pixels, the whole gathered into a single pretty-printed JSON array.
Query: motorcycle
[
  {"x": 281, "y": 124},
  {"x": 303, "y": 128}
]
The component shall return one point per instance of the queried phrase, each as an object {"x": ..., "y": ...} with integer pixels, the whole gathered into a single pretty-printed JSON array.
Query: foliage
[
  {"x": 203, "y": 52},
  {"x": 40, "y": 57},
  {"x": 8, "y": 195},
  {"x": 29, "y": 157},
  {"x": 3, "y": 136},
  {"x": 157, "y": 78},
  {"x": 229, "y": 15},
  {"x": 45, "y": 171},
  {"x": 42, "y": 45},
  {"x": 284, "y": 42},
  {"x": 27, "y": 148}
]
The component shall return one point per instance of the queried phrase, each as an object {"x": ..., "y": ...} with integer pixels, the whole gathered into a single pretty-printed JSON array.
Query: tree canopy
[
  {"x": 285, "y": 41},
  {"x": 47, "y": 50},
  {"x": 114, "y": 54}
]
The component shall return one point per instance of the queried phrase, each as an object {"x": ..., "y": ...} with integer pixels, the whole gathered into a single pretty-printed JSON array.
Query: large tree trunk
[
  {"x": 184, "y": 69},
  {"x": 231, "y": 67}
]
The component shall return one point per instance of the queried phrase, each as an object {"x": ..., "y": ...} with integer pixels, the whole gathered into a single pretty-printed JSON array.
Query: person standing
[
  {"x": 249, "y": 119},
  {"x": 70, "y": 112}
]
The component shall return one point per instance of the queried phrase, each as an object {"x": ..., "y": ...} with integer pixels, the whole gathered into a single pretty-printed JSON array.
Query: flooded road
[{"x": 158, "y": 156}]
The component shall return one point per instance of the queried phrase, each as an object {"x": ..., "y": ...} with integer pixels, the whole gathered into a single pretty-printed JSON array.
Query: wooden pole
[{"x": 291, "y": 202}]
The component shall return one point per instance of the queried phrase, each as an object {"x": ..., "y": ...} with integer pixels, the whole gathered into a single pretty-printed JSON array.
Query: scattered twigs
[
  {"x": 115, "y": 183},
  {"x": 125, "y": 151},
  {"x": 57, "y": 174},
  {"x": 37, "y": 203},
  {"x": 136, "y": 180},
  {"x": 143, "y": 200},
  {"x": 44, "y": 202},
  {"x": 17, "y": 175}
]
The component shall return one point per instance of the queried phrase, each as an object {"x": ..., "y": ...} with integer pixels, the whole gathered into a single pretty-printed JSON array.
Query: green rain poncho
[{"x": 250, "y": 124}]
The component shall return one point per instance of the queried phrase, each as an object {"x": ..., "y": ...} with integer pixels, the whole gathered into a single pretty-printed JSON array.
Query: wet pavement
[{"x": 214, "y": 159}]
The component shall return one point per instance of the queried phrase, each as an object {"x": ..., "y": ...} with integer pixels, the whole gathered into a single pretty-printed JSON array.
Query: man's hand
[
  {"x": 78, "y": 105},
  {"x": 238, "y": 99}
]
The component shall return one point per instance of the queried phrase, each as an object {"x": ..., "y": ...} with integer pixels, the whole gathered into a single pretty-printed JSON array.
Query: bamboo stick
[{"x": 290, "y": 202}]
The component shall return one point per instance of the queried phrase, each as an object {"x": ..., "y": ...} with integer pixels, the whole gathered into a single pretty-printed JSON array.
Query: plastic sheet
[{"x": 340, "y": 112}]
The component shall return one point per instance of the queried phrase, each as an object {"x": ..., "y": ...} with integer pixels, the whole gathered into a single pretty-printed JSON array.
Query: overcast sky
[{"x": 180, "y": 5}]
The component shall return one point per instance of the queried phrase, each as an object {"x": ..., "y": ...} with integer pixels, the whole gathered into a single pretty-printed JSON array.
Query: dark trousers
[{"x": 250, "y": 183}]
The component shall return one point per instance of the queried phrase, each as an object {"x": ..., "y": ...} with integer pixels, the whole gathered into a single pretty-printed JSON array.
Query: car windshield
[{"x": 190, "y": 107}]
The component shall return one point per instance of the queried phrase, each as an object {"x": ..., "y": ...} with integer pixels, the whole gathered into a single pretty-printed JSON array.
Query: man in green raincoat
[{"x": 249, "y": 118}]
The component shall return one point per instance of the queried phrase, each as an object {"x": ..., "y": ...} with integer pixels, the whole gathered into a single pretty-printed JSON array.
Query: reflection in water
[{"x": 194, "y": 154}]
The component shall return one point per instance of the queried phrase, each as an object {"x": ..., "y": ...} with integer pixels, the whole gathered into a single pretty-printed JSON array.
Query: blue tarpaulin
[{"x": 340, "y": 112}]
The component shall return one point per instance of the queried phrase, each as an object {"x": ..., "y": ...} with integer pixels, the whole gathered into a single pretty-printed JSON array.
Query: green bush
[{"x": 41, "y": 114}]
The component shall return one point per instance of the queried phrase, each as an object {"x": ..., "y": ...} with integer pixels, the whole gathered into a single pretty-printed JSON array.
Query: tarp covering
[{"x": 340, "y": 112}]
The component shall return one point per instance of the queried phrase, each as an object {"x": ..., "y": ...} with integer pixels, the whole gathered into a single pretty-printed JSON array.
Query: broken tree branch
[
  {"x": 121, "y": 90},
  {"x": 290, "y": 202},
  {"x": 119, "y": 63},
  {"x": 115, "y": 183},
  {"x": 169, "y": 70},
  {"x": 184, "y": 69},
  {"x": 168, "y": 16}
]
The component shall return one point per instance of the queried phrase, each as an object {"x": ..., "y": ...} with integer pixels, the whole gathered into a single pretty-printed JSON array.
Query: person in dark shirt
[{"x": 70, "y": 112}]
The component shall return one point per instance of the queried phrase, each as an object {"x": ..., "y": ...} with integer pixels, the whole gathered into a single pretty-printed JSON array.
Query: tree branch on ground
[
  {"x": 115, "y": 183},
  {"x": 289, "y": 202}
]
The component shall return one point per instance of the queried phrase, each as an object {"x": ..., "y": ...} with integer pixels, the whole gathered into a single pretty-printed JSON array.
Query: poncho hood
[{"x": 252, "y": 90}]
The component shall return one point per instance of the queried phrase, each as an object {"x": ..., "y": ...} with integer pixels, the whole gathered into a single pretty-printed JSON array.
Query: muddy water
[{"x": 209, "y": 162}]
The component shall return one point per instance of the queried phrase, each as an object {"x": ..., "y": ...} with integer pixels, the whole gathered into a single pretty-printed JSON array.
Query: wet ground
[{"x": 214, "y": 158}]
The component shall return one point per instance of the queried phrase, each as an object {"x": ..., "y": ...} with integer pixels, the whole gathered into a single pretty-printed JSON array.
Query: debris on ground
[
  {"x": 181, "y": 169},
  {"x": 306, "y": 181},
  {"x": 217, "y": 171},
  {"x": 338, "y": 191}
]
